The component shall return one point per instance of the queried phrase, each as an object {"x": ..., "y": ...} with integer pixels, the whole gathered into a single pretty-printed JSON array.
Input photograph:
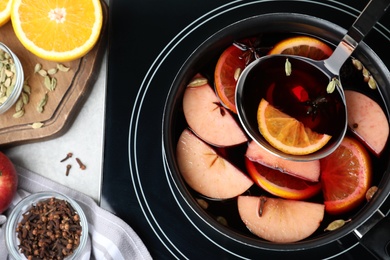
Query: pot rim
[{"x": 306, "y": 23}]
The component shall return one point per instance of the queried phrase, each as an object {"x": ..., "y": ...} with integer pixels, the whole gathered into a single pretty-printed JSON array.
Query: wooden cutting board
[{"x": 63, "y": 103}]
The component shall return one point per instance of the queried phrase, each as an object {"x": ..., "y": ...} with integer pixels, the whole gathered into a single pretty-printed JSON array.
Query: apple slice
[
  {"x": 206, "y": 172},
  {"x": 208, "y": 119},
  {"x": 309, "y": 171},
  {"x": 367, "y": 121},
  {"x": 279, "y": 220}
]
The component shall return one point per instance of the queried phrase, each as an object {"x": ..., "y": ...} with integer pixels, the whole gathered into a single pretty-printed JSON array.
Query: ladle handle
[{"x": 370, "y": 15}]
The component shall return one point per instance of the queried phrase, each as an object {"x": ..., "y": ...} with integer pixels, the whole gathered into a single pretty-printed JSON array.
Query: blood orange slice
[
  {"x": 281, "y": 184},
  {"x": 303, "y": 46},
  {"x": 228, "y": 63},
  {"x": 345, "y": 176},
  {"x": 286, "y": 133}
]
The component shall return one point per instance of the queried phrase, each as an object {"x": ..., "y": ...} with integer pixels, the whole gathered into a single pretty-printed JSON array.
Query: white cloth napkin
[{"x": 109, "y": 236}]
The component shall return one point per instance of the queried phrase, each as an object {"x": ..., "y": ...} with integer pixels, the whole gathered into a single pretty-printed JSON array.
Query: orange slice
[
  {"x": 57, "y": 30},
  {"x": 5, "y": 11},
  {"x": 303, "y": 46},
  {"x": 281, "y": 184},
  {"x": 225, "y": 83},
  {"x": 287, "y": 134},
  {"x": 345, "y": 176}
]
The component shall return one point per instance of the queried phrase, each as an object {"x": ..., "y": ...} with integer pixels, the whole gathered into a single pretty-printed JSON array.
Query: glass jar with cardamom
[{"x": 11, "y": 78}]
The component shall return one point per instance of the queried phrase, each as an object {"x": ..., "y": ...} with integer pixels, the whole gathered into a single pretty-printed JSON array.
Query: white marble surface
[{"x": 84, "y": 139}]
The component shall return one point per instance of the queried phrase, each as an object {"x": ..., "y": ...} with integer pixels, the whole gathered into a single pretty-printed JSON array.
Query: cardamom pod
[
  {"x": 37, "y": 125},
  {"x": 47, "y": 83},
  {"x": 197, "y": 82},
  {"x": 25, "y": 98},
  {"x": 357, "y": 64},
  {"x": 237, "y": 73},
  {"x": 42, "y": 103},
  {"x": 42, "y": 72},
  {"x": 18, "y": 114},
  {"x": 53, "y": 83},
  {"x": 336, "y": 224},
  {"x": 62, "y": 67},
  {"x": 288, "y": 67},
  {"x": 372, "y": 83},
  {"x": 19, "y": 104},
  {"x": 37, "y": 67},
  {"x": 52, "y": 71}
]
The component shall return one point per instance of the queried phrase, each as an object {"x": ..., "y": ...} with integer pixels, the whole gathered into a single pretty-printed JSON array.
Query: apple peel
[{"x": 309, "y": 171}]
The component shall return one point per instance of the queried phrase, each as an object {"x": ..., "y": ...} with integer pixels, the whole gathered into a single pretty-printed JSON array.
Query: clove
[
  {"x": 82, "y": 166},
  {"x": 68, "y": 169},
  {"x": 69, "y": 155}
]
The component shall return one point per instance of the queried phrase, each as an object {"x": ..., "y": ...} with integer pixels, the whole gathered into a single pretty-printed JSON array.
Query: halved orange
[
  {"x": 58, "y": 30},
  {"x": 5, "y": 11},
  {"x": 345, "y": 176},
  {"x": 287, "y": 134},
  {"x": 305, "y": 46},
  {"x": 281, "y": 184},
  {"x": 225, "y": 83}
]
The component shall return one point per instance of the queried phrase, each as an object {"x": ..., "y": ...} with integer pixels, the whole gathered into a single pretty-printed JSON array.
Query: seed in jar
[
  {"x": 50, "y": 228},
  {"x": 7, "y": 76}
]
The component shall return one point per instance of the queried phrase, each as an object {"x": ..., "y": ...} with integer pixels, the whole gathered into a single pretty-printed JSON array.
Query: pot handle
[{"x": 377, "y": 239}]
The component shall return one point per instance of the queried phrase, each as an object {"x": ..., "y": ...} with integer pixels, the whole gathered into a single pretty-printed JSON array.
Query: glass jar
[
  {"x": 19, "y": 81},
  {"x": 11, "y": 238}
]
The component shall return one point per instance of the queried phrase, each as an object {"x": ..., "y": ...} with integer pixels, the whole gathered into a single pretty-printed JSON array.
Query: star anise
[{"x": 252, "y": 49}]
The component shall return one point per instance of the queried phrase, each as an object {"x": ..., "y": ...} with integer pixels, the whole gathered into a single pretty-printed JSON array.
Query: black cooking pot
[{"x": 368, "y": 221}]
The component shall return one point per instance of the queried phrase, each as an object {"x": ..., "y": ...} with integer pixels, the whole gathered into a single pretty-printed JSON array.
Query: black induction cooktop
[{"x": 149, "y": 41}]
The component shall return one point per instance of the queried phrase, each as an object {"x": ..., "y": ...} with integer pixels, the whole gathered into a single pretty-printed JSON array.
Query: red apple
[
  {"x": 8, "y": 182},
  {"x": 206, "y": 116},
  {"x": 367, "y": 121},
  {"x": 309, "y": 171},
  {"x": 207, "y": 172},
  {"x": 279, "y": 220}
]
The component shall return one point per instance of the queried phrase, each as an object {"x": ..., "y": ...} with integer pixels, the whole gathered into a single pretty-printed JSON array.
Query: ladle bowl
[{"x": 256, "y": 82}]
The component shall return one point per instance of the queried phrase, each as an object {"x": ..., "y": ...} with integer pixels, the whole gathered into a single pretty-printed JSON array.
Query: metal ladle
[{"x": 329, "y": 69}]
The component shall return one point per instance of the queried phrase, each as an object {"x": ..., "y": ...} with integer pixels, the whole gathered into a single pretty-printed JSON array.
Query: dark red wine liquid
[{"x": 302, "y": 95}]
